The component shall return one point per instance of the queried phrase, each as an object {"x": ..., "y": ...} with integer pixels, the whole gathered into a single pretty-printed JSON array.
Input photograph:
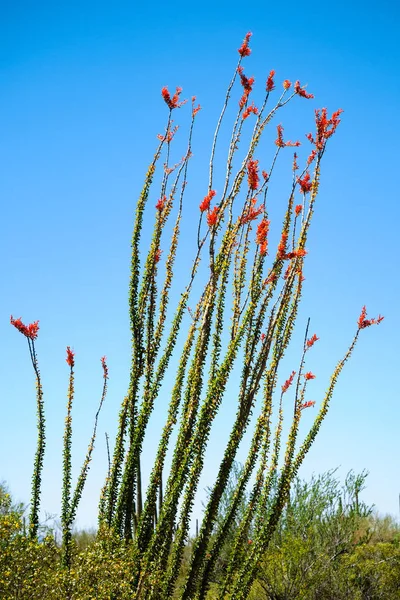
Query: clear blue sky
[{"x": 80, "y": 108}]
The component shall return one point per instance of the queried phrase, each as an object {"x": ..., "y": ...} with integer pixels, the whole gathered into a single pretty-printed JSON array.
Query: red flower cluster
[
  {"x": 288, "y": 382},
  {"x": 312, "y": 156},
  {"x": 104, "y": 365},
  {"x": 244, "y": 49},
  {"x": 174, "y": 101},
  {"x": 195, "y": 109},
  {"x": 298, "y": 209},
  {"x": 305, "y": 183},
  {"x": 286, "y": 273},
  {"x": 363, "y": 322},
  {"x": 301, "y": 91},
  {"x": 168, "y": 137},
  {"x": 295, "y": 165},
  {"x": 205, "y": 204},
  {"x": 279, "y": 140},
  {"x": 212, "y": 216},
  {"x": 325, "y": 127},
  {"x": 296, "y": 253},
  {"x": 265, "y": 175},
  {"x": 287, "y": 84},
  {"x": 282, "y": 246},
  {"x": 250, "y": 109},
  {"x": 311, "y": 341},
  {"x": 161, "y": 203},
  {"x": 307, "y": 404},
  {"x": 30, "y": 331},
  {"x": 157, "y": 255},
  {"x": 247, "y": 83},
  {"x": 261, "y": 237},
  {"x": 309, "y": 376},
  {"x": 270, "y": 85},
  {"x": 252, "y": 174},
  {"x": 252, "y": 213},
  {"x": 70, "y": 357}
]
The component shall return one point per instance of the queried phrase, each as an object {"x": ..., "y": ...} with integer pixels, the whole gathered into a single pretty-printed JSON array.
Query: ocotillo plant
[
  {"x": 69, "y": 503},
  {"x": 244, "y": 311},
  {"x": 265, "y": 299}
]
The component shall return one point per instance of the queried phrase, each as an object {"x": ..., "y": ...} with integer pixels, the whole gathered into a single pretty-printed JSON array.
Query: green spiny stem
[
  {"x": 184, "y": 437},
  {"x": 145, "y": 412},
  {"x": 167, "y": 285},
  {"x": 262, "y": 426},
  {"x": 324, "y": 407},
  {"x": 172, "y": 251},
  {"x": 221, "y": 535},
  {"x": 116, "y": 468},
  {"x": 238, "y": 431},
  {"x": 245, "y": 579},
  {"x": 38, "y": 463},
  {"x": 139, "y": 489},
  {"x": 246, "y": 398},
  {"x": 137, "y": 367},
  {"x": 207, "y": 414},
  {"x": 262, "y": 430},
  {"x": 227, "y": 96},
  {"x": 66, "y": 487},
  {"x": 145, "y": 525},
  {"x": 85, "y": 466},
  {"x": 153, "y": 341},
  {"x": 279, "y": 347},
  {"x": 219, "y": 318},
  {"x": 239, "y": 276},
  {"x": 165, "y": 526}
]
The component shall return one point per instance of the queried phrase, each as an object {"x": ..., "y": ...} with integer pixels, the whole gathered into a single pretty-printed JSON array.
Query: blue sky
[{"x": 80, "y": 108}]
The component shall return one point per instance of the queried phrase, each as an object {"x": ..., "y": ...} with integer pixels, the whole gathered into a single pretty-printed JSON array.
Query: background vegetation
[{"x": 328, "y": 545}]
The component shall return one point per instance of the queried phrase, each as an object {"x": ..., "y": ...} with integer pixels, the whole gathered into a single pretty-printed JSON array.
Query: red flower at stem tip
[
  {"x": 174, "y": 101},
  {"x": 296, "y": 254},
  {"x": 161, "y": 203},
  {"x": 288, "y": 382},
  {"x": 363, "y": 322},
  {"x": 70, "y": 360},
  {"x": 195, "y": 109},
  {"x": 252, "y": 213},
  {"x": 298, "y": 209},
  {"x": 307, "y": 404},
  {"x": 309, "y": 375},
  {"x": 261, "y": 236},
  {"x": 247, "y": 83},
  {"x": 250, "y": 109},
  {"x": 212, "y": 216},
  {"x": 205, "y": 204},
  {"x": 282, "y": 245},
  {"x": 305, "y": 183},
  {"x": 252, "y": 174},
  {"x": 270, "y": 81},
  {"x": 301, "y": 91},
  {"x": 325, "y": 128},
  {"x": 279, "y": 140},
  {"x": 30, "y": 331},
  {"x": 311, "y": 341},
  {"x": 104, "y": 365},
  {"x": 244, "y": 49}
]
